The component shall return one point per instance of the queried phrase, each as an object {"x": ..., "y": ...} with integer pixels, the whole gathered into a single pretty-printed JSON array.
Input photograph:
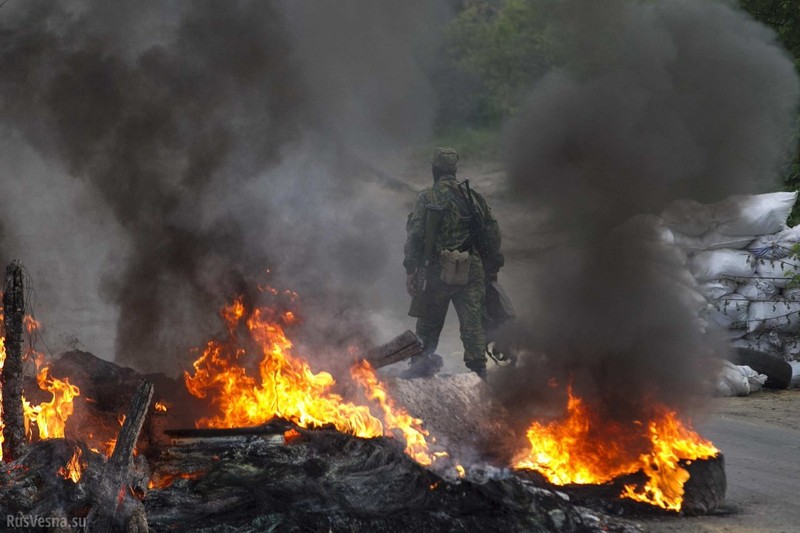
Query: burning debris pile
[{"x": 268, "y": 442}]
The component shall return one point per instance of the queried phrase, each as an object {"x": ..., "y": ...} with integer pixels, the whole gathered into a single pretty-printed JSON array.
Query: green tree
[
  {"x": 783, "y": 16},
  {"x": 495, "y": 49}
]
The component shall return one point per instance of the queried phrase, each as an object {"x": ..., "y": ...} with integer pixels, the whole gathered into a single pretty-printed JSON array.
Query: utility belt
[{"x": 455, "y": 264}]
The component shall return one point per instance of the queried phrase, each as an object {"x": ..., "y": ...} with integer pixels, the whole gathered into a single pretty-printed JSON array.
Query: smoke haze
[
  {"x": 174, "y": 151},
  {"x": 206, "y": 142},
  {"x": 661, "y": 100}
]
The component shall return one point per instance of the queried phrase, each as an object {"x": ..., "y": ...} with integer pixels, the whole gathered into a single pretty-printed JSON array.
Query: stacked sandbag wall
[{"x": 740, "y": 252}]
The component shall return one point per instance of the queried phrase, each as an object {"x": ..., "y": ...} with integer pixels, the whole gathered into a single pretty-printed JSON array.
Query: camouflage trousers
[{"x": 468, "y": 301}]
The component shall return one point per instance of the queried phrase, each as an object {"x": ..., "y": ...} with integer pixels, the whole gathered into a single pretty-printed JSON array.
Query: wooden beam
[
  {"x": 13, "y": 315},
  {"x": 401, "y": 347},
  {"x": 113, "y": 487}
]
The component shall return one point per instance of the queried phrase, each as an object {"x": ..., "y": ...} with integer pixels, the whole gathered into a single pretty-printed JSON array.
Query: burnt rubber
[
  {"x": 704, "y": 492},
  {"x": 778, "y": 371}
]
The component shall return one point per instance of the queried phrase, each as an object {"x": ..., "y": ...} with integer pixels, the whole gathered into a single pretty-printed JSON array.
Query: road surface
[{"x": 760, "y": 438}]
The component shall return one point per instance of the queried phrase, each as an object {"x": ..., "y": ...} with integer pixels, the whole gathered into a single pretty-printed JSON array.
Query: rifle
[
  {"x": 433, "y": 216},
  {"x": 476, "y": 229},
  {"x": 497, "y": 307}
]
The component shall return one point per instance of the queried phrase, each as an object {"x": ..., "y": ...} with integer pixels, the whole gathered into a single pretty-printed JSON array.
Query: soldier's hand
[{"x": 411, "y": 285}]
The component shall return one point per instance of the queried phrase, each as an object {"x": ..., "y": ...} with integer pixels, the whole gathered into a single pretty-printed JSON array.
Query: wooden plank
[
  {"x": 401, "y": 347},
  {"x": 112, "y": 491}
]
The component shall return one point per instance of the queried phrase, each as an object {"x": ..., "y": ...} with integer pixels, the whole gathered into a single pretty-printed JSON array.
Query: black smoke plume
[
  {"x": 216, "y": 140},
  {"x": 658, "y": 101}
]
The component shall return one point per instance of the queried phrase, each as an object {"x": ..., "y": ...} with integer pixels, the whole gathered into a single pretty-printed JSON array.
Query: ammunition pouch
[{"x": 455, "y": 267}]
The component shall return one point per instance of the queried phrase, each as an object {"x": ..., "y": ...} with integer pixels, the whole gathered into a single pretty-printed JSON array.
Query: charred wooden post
[
  {"x": 112, "y": 491},
  {"x": 401, "y": 347},
  {"x": 14, "y": 313}
]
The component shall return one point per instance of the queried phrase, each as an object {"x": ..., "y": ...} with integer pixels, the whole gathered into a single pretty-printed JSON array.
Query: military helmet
[{"x": 445, "y": 159}]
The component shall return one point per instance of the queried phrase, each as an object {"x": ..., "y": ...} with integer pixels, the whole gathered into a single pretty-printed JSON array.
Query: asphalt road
[{"x": 760, "y": 438}]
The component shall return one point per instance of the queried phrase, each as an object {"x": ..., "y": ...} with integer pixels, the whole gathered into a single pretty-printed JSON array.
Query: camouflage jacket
[{"x": 454, "y": 226}]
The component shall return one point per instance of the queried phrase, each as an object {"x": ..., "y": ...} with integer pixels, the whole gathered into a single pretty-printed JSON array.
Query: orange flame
[
  {"x": 291, "y": 435},
  {"x": 583, "y": 448},
  {"x": 672, "y": 442},
  {"x": 282, "y": 385},
  {"x": 396, "y": 418},
  {"x": 111, "y": 443},
  {"x": 161, "y": 407},
  {"x": 51, "y": 417},
  {"x": 74, "y": 467},
  {"x": 31, "y": 324}
]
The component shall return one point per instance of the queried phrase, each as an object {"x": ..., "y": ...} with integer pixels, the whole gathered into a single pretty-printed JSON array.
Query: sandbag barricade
[{"x": 741, "y": 252}]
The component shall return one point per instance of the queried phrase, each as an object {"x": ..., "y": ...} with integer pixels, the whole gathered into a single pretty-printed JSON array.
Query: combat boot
[{"x": 479, "y": 368}]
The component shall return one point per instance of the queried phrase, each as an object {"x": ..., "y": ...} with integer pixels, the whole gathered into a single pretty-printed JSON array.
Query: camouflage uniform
[{"x": 453, "y": 232}]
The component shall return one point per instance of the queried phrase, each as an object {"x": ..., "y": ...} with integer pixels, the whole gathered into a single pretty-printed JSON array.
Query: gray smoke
[
  {"x": 213, "y": 141},
  {"x": 660, "y": 100}
]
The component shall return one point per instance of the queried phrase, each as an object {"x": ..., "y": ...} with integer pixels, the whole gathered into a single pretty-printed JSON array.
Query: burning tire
[
  {"x": 778, "y": 371},
  {"x": 704, "y": 492}
]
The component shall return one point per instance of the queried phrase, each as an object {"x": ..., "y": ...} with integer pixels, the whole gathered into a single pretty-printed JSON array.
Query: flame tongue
[
  {"x": 74, "y": 468},
  {"x": 575, "y": 449},
  {"x": 51, "y": 417},
  {"x": 672, "y": 442},
  {"x": 583, "y": 448},
  {"x": 396, "y": 418},
  {"x": 282, "y": 386}
]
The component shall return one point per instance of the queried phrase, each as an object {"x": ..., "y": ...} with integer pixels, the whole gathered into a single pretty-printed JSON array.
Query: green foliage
[
  {"x": 478, "y": 143},
  {"x": 794, "y": 279},
  {"x": 783, "y": 16},
  {"x": 495, "y": 51}
]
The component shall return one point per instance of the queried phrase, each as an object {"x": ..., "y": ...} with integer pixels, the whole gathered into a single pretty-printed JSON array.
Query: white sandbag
[
  {"x": 790, "y": 236},
  {"x": 714, "y": 264},
  {"x": 776, "y": 245},
  {"x": 779, "y": 272},
  {"x": 712, "y": 240},
  {"x": 755, "y": 381},
  {"x": 731, "y": 311},
  {"x": 688, "y": 217},
  {"x": 758, "y": 214},
  {"x": 757, "y": 289},
  {"x": 778, "y": 315},
  {"x": 791, "y": 348},
  {"x": 716, "y": 289},
  {"x": 732, "y": 382},
  {"x": 721, "y": 388}
]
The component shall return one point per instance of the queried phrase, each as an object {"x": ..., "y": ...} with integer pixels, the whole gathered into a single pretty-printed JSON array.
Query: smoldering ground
[
  {"x": 658, "y": 101},
  {"x": 211, "y": 141}
]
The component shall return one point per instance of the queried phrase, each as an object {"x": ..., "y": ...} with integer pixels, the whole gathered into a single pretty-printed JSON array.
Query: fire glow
[
  {"x": 584, "y": 448},
  {"x": 74, "y": 467},
  {"x": 50, "y": 417},
  {"x": 252, "y": 377}
]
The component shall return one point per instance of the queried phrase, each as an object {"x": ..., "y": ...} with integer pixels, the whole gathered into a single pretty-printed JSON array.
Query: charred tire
[
  {"x": 778, "y": 371},
  {"x": 704, "y": 492}
]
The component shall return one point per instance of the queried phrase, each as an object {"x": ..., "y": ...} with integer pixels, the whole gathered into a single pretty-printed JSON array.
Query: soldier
[{"x": 448, "y": 227}]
